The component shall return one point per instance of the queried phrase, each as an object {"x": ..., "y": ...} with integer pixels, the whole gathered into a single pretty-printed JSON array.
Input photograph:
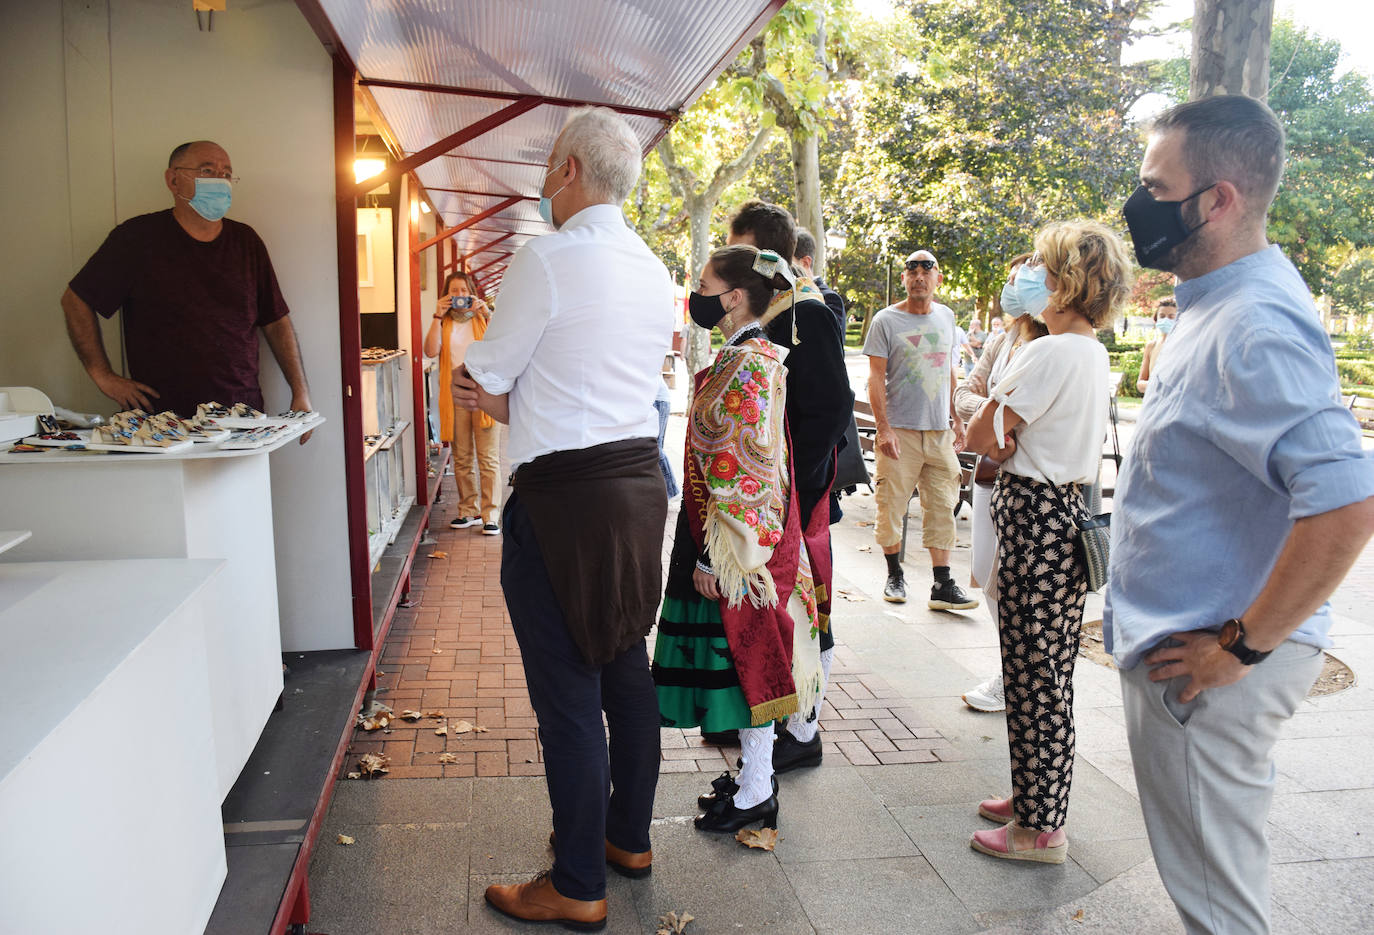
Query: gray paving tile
[
  {"x": 1333, "y": 824},
  {"x": 1106, "y": 859},
  {"x": 1330, "y": 897},
  {"x": 510, "y": 826},
  {"x": 1288, "y": 848},
  {"x": 986, "y": 884},
  {"x": 396, "y": 880},
  {"x": 1313, "y": 721},
  {"x": 811, "y": 801},
  {"x": 392, "y": 801},
  {"x": 1133, "y": 902},
  {"x": 899, "y": 894},
  {"x": 1117, "y": 766},
  {"x": 1321, "y": 764},
  {"x": 966, "y": 782},
  {"x": 727, "y": 887}
]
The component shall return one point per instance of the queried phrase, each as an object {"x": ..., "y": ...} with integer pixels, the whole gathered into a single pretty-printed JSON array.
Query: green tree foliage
[
  {"x": 1325, "y": 205},
  {"x": 1010, "y": 114}
]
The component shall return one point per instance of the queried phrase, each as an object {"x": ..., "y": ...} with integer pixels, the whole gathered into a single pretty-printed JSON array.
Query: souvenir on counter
[{"x": 137, "y": 431}]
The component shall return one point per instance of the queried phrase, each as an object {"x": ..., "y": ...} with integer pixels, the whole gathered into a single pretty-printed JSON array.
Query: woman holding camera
[
  {"x": 460, "y": 318},
  {"x": 1045, "y": 422}
]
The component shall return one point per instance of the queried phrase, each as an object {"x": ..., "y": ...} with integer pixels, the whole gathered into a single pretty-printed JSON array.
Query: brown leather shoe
[
  {"x": 633, "y": 864},
  {"x": 537, "y": 901},
  {"x": 629, "y": 863}
]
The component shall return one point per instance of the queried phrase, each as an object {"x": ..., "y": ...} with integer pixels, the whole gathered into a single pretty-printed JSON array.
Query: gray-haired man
[{"x": 571, "y": 362}]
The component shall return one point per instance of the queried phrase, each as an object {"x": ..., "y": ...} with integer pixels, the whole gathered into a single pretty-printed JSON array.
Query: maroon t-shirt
[{"x": 191, "y": 309}]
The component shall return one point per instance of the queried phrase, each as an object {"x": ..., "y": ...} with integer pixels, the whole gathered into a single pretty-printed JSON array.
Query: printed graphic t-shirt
[{"x": 918, "y": 349}]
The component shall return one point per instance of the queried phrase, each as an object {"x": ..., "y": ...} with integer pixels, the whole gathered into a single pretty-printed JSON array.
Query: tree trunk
[
  {"x": 806, "y": 184},
  {"x": 698, "y": 339},
  {"x": 1231, "y": 48}
]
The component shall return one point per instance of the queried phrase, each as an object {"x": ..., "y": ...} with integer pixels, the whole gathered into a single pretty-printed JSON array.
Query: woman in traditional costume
[{"x": 737, "y": 640}]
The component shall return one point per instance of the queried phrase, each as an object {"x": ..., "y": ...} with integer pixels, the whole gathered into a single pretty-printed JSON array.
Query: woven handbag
[{"x": 1094, "y": 541}]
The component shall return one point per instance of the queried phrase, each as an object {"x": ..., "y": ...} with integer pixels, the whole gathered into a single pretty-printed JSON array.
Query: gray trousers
[{"x": 1205, "y": 772}]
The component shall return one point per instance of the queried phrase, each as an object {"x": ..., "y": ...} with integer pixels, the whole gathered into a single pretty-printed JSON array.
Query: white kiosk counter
[
  {"x": 201, "y": 503},
  {"x": 109, "y": 812}
]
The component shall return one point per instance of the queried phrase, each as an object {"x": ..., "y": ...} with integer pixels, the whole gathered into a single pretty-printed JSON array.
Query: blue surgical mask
[
  {"x": 546, "y": 201},
  {"x": 212, "y": 198},
  {"x": 1165, "y": 325},
  {"x": 1027, "y": 294}
]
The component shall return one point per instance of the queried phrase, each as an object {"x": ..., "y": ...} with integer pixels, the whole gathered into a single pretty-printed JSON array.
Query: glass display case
[{"x": 388, "y": 500}]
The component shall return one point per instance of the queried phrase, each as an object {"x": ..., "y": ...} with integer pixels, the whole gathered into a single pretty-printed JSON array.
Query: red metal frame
[
  {"x": 350, "y": 355},
  {"x": 498, "y": 259},
  {"x": 468, "y": 191},
  {"x": 669, "y": 115},
  {"x": 442, "y": 147},
  {"x": 484, "y": 248},
  {"x": 475, "y": 219}
]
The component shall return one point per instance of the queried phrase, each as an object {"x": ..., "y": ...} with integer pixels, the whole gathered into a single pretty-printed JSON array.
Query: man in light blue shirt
[{"x": 1243, "y": 502}]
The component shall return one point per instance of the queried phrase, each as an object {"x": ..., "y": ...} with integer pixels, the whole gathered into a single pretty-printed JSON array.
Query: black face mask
[
  {"x": 706, "y": 310},
  {"x": 1157, "y": 226}
]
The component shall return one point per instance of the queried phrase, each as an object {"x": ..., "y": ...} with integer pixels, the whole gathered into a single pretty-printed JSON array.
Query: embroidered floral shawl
[{"x": 741, "y": 506}]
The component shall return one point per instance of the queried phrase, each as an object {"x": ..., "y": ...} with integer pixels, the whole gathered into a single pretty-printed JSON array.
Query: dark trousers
[{"x": 595, "y": 798}]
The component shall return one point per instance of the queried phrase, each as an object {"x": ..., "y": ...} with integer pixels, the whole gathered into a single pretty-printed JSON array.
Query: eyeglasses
[
  {"x": 205, "y": 172},
  {"x": 922, "y": 264}
]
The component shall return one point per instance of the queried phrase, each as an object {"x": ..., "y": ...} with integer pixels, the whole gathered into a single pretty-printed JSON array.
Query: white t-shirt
[
  {"x": 459, "y": 337},
  {"x": 1058, "y": 385}
]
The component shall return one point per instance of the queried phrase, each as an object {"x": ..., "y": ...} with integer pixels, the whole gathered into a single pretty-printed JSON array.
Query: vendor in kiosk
[{"x": 195, "y": 287}]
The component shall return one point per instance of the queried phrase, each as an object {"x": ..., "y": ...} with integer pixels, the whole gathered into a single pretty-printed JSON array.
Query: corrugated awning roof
[{"x": 510, "y": 69}]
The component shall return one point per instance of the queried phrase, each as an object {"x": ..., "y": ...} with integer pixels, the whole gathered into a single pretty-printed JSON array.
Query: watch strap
[{"x": 1244, "y": 653}]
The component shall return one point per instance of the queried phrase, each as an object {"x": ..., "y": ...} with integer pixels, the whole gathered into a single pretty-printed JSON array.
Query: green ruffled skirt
[{"x": 694, "y": 670}]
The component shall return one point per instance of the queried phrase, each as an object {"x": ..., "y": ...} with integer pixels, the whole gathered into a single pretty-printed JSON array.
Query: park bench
[{"x": 1363, "y": 409}]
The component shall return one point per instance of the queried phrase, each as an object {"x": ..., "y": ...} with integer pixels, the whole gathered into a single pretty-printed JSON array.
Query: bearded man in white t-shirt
[{"x": 911, "y": 348}]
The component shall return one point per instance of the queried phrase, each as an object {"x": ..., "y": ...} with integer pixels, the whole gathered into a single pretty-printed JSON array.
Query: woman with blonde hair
[
  {"x": 460, "y": 318},
  {"x": 1045, "y": 422}
]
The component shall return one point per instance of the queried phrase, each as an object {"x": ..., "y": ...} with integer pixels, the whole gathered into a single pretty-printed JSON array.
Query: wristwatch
[{"x": 1232, "y": 639}]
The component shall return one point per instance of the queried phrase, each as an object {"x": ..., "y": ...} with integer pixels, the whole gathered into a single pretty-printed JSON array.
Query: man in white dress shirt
[{"x": 571, "y": 362}]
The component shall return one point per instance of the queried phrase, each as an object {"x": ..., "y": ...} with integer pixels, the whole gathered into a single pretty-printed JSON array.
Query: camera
[{"x": 459, "y": 301}]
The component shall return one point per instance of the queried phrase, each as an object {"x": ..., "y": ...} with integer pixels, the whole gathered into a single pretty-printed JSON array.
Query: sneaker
[
  {"x": 491, "y": 529},
  {"x": 894, "y": 592},
  {"x": 463, "y": 522},
  {"x": 946, "y": 595},
  {"x": 989, "y": 696}
]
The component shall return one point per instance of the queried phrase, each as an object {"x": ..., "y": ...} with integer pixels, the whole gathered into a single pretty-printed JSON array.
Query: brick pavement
[{"x": 455, "y": 652}]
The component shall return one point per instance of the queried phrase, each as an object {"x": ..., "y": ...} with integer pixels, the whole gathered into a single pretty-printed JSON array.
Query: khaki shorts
[{"x": 928, "y": 465}]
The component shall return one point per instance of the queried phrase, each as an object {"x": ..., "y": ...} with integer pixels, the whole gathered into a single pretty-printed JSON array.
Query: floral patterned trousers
[{"x": 1041, "y": 589}]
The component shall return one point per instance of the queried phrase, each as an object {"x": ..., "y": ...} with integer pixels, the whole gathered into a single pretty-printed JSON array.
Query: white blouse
[{"x": 1057, "y": 384}]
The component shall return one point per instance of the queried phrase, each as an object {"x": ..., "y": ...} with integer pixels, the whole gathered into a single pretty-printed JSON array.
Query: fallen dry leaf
[
  {"x": 438, "y": 555},
  {"x": 673, "y": 924},
  {"x": 442, "y": 729},
  {"x": 479, "y": 729},
  {"x": 865, "y": 548},
  {"x": 434, "y": 714},
  {"x": 345, "y": 839},
  {"x": 765, "y": 839},
  {"x": 462, "y": 727},
  {"x": 864, "y": 522},
  {"x": 376, "y": 717},
  {"x": 448, "y": 758},
  {"x": 411, "y": 715},
  {"x": 1078, "y": 916},
  {"x": 355, "y": 775},
  {"x": 850, "y": 595},
  {"x": 374, "y": 764}
]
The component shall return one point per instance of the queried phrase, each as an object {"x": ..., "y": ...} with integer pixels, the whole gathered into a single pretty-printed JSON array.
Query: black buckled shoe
[
  {"x": 724, "y": 785},
  {"x": 789, "y": 753},
  {"x": 721, "y": 738},
  {"x": 723, "y": 816}
]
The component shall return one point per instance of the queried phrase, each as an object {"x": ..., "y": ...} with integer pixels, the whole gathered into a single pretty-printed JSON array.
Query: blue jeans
[{"x": 597, "y": 794}]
